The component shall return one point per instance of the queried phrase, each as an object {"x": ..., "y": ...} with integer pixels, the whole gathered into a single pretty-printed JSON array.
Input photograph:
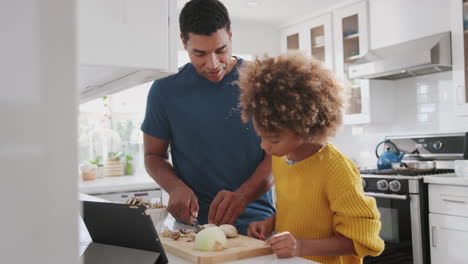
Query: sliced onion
[{"x": 210, "y": 239}]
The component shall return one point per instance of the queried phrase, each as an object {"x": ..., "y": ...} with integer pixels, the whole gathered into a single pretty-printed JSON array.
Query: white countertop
[
  {"x": 118, "y": 184},
  {"x": 447, "y": 180},
  {"x": 85, "y": 239}
]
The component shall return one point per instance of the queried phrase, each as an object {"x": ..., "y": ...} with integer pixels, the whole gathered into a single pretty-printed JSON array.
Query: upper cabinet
[
  {"x": 397, "y": 21},
  {"x": 351, "y": 41},
  {"x": 338, "y": 39},
  {"x": 122, "y": 43},
  {"x": 459, "y": 23},
  {"x": 313, "y": 37},
  {"x": 124, "y": 33}
]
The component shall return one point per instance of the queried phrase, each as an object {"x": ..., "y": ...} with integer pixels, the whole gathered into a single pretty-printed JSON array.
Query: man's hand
[
  {"x": 284, "y": 245},
  {"x": 261, "y": 229},
  {"x": 182, "y": 204},
  {"x": 226, "y": 207}
]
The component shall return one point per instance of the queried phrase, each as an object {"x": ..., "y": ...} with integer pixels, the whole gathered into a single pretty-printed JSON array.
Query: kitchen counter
[
  {"x": 446, "y": 180},
  {"x": 85, "y": 239},
  {"x": 118, "y": 184}
]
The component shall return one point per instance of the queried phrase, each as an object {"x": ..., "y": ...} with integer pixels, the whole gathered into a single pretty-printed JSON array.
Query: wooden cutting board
[{"x": 240, "y": 247}]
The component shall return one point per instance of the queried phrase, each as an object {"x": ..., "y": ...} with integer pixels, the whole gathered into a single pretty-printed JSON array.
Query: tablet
[{"x": 122, "y": 225}]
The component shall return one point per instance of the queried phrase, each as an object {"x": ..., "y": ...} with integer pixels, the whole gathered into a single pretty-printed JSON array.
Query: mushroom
[{"x": 229, "y": 230}]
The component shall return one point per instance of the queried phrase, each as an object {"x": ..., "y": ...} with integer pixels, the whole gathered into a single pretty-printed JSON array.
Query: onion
[
  {"x": 210, "y": 239},
  {"x": 229, "y": 230}
]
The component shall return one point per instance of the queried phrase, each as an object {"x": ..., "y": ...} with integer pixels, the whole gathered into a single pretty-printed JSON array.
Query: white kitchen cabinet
[
  {"x": 313, "y": 37},
  {"x": 449, "y": 200},
  {"x": 449, "y": 236},
  {"x": 351, "y": 41},
  {"x": 124, "y": 33},
  {"x": 291, "y": 39},
  {"x": 459, "y": 28},
  {"x": 124, "y": 43},
  {"x": 398, "y": 21},
  {"x": 448, "y": 223}
]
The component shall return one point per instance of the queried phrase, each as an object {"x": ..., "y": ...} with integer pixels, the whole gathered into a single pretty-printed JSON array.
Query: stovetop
[{"x": 406, "y": 173}]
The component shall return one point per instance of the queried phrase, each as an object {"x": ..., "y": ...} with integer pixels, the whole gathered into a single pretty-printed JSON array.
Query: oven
[
  {"x": 401, "y": 195},
  {"x": 403, "y": 214}
]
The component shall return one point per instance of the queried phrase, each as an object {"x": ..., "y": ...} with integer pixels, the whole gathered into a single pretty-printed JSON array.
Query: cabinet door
[
  {"x": 124, "y": 33},
  {"x": 448, "y": 236},
  {"x": 459, "y": 22},
  {"x": 318, "y": 38},
  {"x": 350, "y": 27},
  {"x": 313, "y": 37},
  {"x": 291, "y": 39}
]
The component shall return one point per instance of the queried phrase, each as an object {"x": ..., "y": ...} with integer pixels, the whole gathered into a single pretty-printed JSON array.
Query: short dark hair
[{"x": 203, "y": 17}]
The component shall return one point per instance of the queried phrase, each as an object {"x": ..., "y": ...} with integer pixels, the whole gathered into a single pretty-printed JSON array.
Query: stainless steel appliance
[
  {"x": 401, "y": 194},
  {"x": 426, "y": 55}
]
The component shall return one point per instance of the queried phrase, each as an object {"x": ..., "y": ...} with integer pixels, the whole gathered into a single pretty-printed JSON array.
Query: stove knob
[
  {"x": 437, "y": 145},
  {"x": 382, "y": 185},
  {"x": 394, "y": 186},
  {"x": 364, "y": 183}
]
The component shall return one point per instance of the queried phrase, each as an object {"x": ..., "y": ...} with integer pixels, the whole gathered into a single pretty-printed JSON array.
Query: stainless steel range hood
[
  {"x": 96, "y": 81},
  {"x": 412, "y": 58}
]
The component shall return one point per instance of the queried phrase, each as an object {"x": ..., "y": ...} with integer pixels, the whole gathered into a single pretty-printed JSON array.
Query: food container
[
  {"x": 88, "y": 171},
  {"x": 461, "y": 168}
]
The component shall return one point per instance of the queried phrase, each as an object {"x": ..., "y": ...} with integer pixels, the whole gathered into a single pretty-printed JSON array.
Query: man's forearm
[
  {"x": 162, "y": 172},
  {"x": 260, "y": 182}
]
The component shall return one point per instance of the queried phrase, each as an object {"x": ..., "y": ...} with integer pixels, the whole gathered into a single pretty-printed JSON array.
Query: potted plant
[
  {"x": 100, "y": 168},
  {"x": 129, "y": 168}
]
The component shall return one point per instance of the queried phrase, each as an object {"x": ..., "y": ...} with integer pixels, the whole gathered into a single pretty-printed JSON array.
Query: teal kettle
[{"x": 388, "y": 157}]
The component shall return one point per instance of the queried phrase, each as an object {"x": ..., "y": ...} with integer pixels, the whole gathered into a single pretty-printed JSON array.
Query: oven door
[{"x": 401, "y": 229}]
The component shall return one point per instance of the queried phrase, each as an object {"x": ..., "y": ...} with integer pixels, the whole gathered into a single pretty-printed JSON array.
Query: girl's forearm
[{"x": 336, "y": 245}]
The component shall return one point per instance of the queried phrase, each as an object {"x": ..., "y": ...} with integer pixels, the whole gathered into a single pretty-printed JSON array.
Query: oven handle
[{"x": 387, "y": 196}]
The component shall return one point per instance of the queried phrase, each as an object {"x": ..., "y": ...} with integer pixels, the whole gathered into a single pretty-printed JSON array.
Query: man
[{"x": 219, "y": 172}]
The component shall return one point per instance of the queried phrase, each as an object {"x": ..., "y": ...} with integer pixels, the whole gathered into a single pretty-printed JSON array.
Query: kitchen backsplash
[{"x": 417, "y": 105}]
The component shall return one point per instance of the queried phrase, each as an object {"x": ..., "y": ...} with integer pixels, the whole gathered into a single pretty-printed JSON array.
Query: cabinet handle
[
  {"x": 433, "y": 236},
  {"x": 453, "y": 201}
]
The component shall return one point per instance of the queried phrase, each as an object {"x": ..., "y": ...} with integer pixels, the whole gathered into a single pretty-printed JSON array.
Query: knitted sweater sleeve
[{"x": 355, "y": 215}]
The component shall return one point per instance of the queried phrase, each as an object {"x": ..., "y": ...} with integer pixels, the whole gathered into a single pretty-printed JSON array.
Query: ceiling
[{"x": 274, "y": 12}]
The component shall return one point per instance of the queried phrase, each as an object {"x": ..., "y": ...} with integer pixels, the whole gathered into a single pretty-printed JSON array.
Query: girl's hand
[
  {"x": 284, "y": 245},
  {"x": 262, "y": 229}
]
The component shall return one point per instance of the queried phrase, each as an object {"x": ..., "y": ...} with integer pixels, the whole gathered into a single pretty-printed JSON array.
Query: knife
[{"x": 194, "y": 221}]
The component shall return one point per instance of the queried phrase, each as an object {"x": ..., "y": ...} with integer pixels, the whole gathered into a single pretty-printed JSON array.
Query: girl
[{"x": 322, "y": 213}]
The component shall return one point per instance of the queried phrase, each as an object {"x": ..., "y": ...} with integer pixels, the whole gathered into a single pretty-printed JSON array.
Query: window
[{"x": 111, "y": 125}]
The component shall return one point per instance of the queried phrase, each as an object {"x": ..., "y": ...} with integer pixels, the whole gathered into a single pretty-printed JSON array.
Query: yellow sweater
[{"x": 321, "y": 196}]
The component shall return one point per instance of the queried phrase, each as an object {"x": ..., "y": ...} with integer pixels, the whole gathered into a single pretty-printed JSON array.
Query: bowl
[
  {"x": 318, "y": 40},
  {"x": 158, "y": 216}
]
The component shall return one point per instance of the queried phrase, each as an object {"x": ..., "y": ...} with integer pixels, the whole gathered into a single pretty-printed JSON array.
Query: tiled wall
[{"x": 417, "y": 105}]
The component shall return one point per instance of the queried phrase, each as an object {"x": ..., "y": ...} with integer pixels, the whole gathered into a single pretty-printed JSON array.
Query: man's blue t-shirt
[{"x": 211, "y": 148}]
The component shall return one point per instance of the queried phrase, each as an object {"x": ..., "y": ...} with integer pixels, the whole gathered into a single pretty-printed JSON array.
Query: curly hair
[
  {"x": 292, "y": 91},
  {"x": 203, "y": 17}
]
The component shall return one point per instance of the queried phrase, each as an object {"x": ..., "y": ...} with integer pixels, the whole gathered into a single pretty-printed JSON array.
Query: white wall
[
  {"x": 255, "y": 38},
  {"x": 417, "y": 105},
  {"x": 38, "y": 116}
]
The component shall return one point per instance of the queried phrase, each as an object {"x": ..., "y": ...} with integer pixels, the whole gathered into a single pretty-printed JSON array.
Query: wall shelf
[
  {"x": 352, "y": 58},
  {"x": 353, "y": 36},
  {"x": 319, "y": 46}
]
